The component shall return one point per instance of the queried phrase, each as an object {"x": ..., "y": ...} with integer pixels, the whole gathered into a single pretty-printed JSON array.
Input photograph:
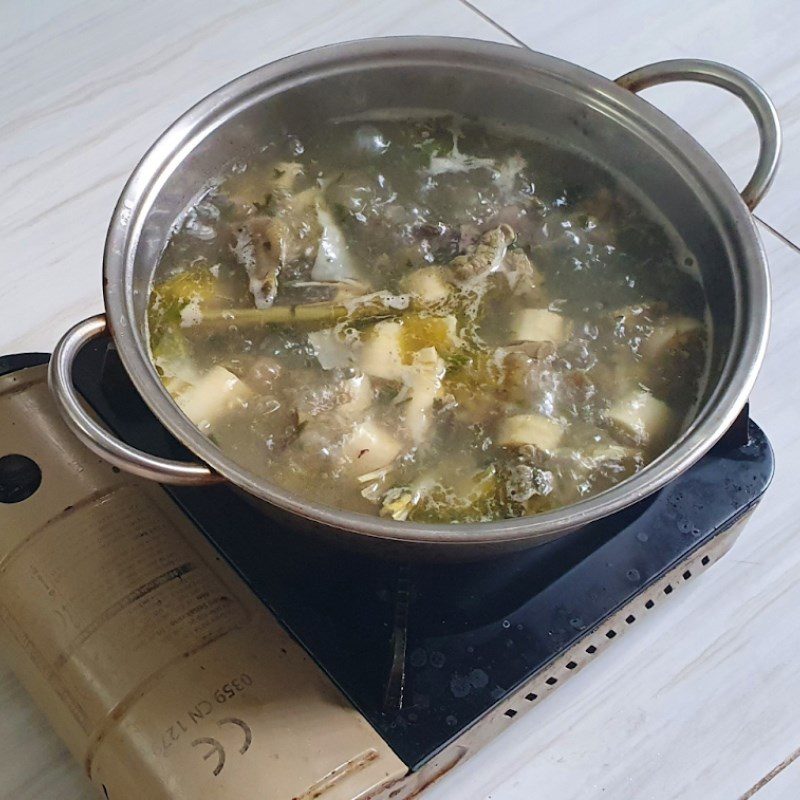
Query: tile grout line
[
  {"x": 778, "y": 235},
  {"x": 497, "y": 26},
  {"x": 775, "y": 771}
]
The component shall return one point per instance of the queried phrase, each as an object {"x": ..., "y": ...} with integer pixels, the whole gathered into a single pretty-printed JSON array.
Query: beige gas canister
[{"x": 160, "y": 670}]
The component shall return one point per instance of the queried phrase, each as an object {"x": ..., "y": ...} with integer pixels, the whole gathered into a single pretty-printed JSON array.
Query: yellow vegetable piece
[
  {"x": 391, "y": 345},
  {"x": 197, "y": 282},
  {"x": 419, "y": 332}
]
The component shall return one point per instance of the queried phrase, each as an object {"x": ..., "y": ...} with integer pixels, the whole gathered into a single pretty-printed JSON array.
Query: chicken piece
[
  {"x": 527, "y": 370},
  {"x": 538, "y": 325},
  {"x": 529, "y": 429},
  {"x": 262, "y": 246},
  {"x": 642, "y": 418},
  {"x": 285, "y": 175},
  {"x": 285, "y": 230},
  {"x": 487, "y": 256}
]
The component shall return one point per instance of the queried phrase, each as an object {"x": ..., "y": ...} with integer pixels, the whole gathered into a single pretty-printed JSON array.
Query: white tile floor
[
  {"x": 758, "y": 37},
  {"x": 699, "y": 703}
]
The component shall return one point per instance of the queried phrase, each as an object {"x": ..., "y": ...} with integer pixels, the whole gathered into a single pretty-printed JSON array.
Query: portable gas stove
[{"x": 439, "y": 658}]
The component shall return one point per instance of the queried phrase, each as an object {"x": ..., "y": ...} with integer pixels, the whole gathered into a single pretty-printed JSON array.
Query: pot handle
[
  {"x": 95, "y": 436},
  {"x": 737, "y": 83}
]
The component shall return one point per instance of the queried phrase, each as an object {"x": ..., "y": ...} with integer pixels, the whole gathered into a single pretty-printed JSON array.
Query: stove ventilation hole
[{"x": 611, "y": 633}]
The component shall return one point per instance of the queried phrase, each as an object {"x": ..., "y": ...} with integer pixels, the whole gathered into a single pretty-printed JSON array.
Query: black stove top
[{"x": 424, "y": 650}]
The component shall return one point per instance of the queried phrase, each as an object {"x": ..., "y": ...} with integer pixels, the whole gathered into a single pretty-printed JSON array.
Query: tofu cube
[
  {"x": 428, "y": 284},
  {"x": 215, "y": 394},
  {"x": 370, "y": 447},
  {"x": 533, "y": 429},
  {"x": 538, "y": 325},
  {"x": 382, "y": 352},
  {"x": 641, "y": 416}
]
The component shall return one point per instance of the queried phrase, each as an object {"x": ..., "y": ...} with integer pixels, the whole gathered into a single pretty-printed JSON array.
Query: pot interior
[{"x": 552, "y": 100}]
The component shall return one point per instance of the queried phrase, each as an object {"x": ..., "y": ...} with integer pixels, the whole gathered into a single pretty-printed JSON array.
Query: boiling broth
[{"x": 429, "y": 319}]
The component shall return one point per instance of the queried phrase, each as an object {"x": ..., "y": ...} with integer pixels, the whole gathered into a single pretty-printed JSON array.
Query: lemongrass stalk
[{"x": 276, "y": 315}]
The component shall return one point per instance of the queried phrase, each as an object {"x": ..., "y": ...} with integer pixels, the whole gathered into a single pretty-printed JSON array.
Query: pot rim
[{"x": 714, "y": 418}]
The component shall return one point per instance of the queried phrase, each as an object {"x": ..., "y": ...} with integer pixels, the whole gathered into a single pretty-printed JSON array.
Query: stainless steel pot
[{"x": 603, "y": 119}]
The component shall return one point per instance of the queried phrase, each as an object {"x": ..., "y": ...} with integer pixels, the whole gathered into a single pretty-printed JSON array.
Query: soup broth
[{"x": 430, "y": 320}]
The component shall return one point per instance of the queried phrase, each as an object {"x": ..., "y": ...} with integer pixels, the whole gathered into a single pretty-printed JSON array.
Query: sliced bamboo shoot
[
  {"x": 424, "y": 380},
  {"x": 533, "y": 429},
  {"x": 538, "y": 325},
  {"x": 669, "y": 334},
  {"x": 641, "y": 416}
]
